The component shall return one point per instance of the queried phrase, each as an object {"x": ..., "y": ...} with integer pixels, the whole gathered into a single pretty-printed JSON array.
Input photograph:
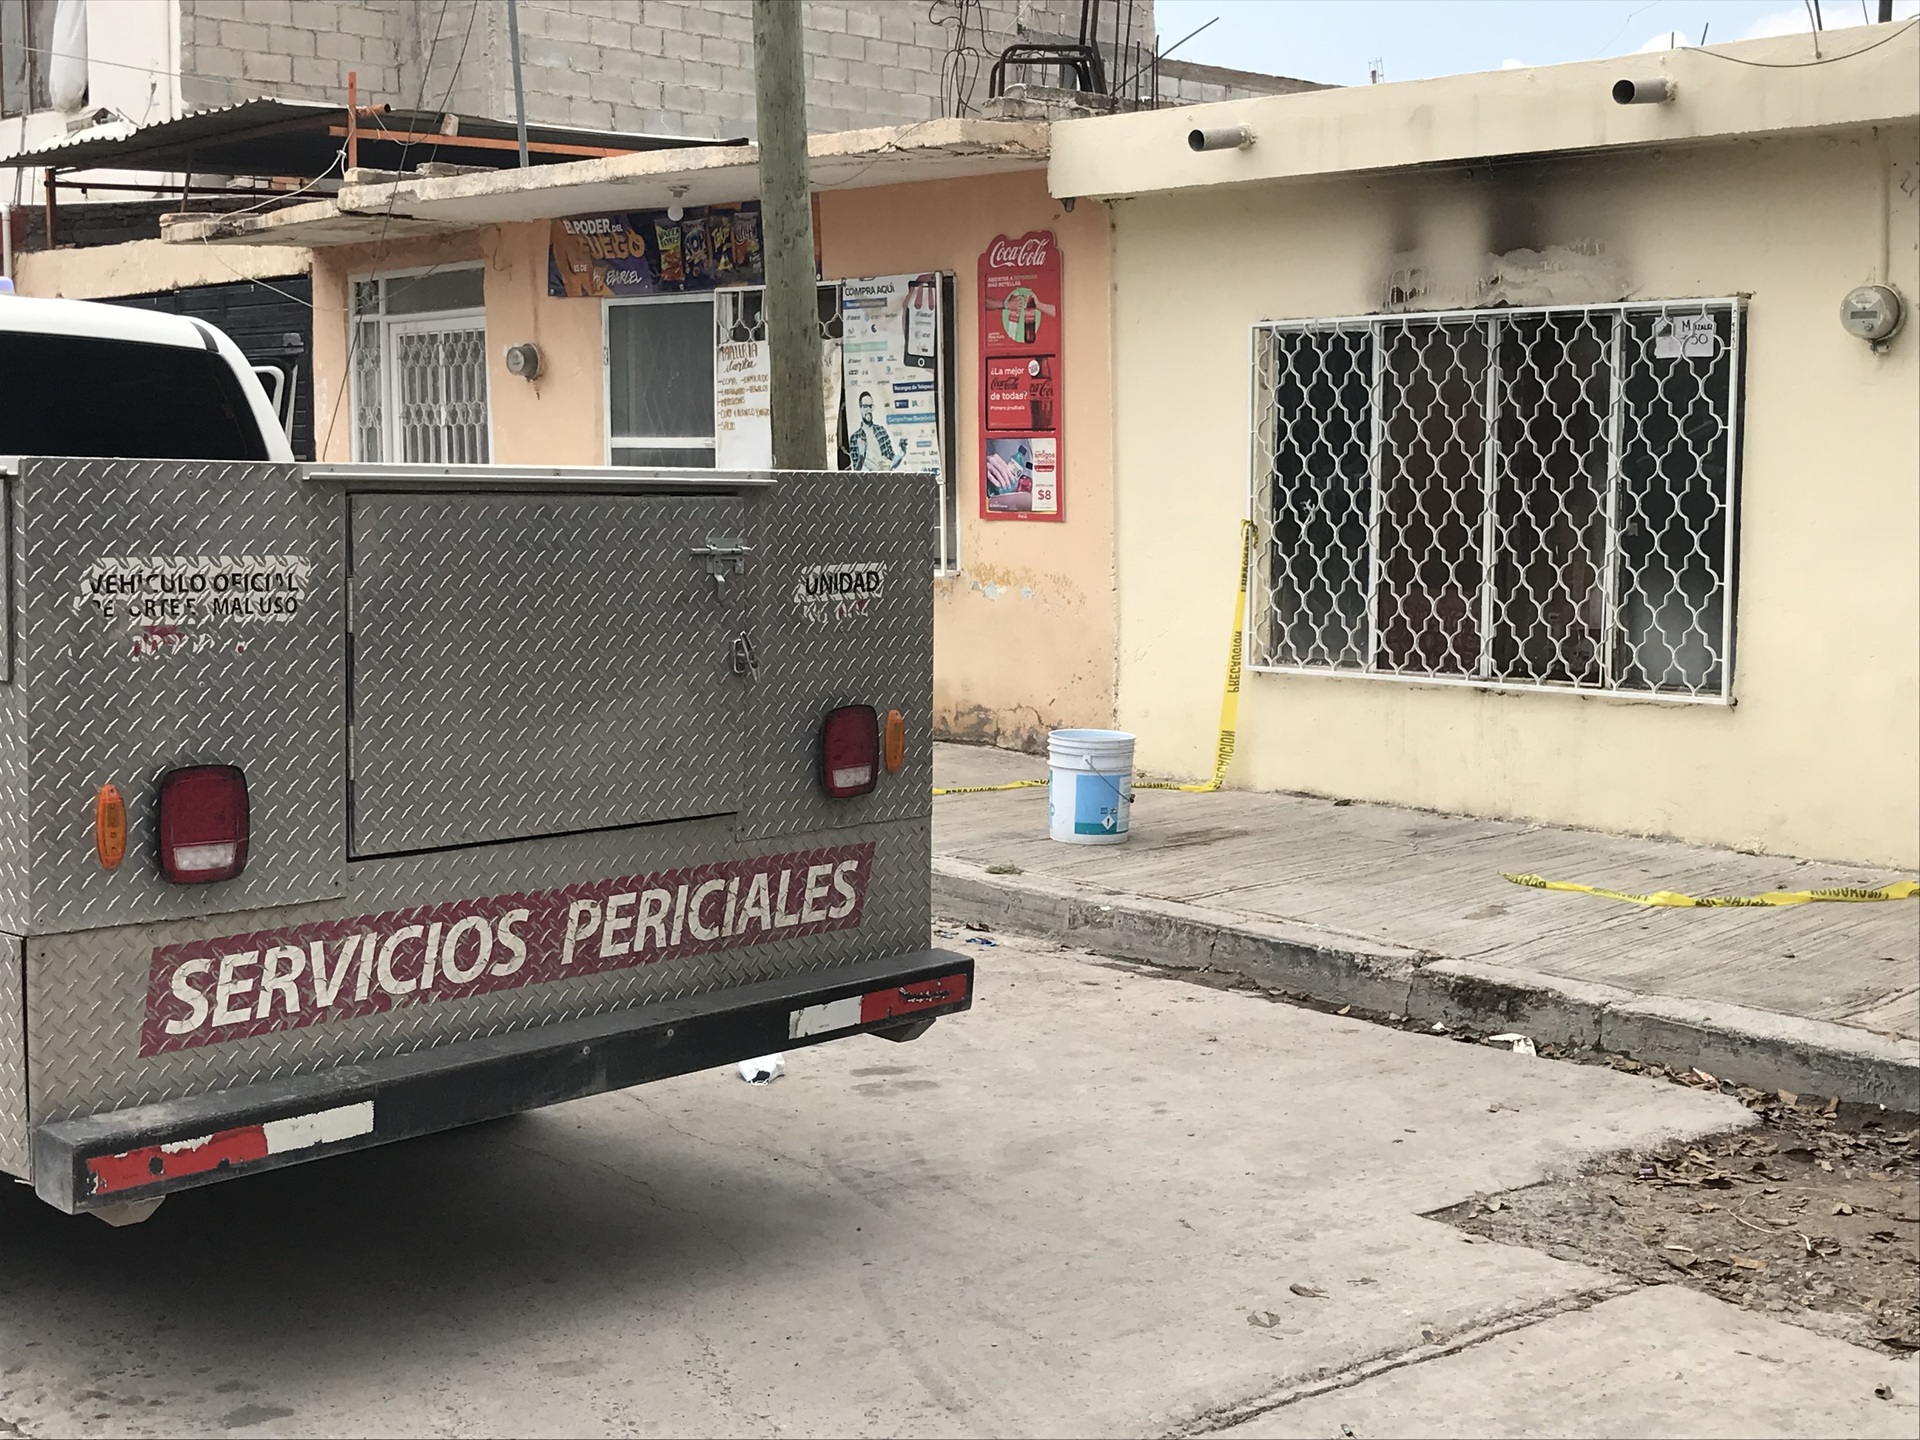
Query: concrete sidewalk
[{"x": 1405, "y": 912}]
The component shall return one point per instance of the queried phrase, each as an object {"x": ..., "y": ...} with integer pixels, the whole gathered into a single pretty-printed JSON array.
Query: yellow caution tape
[
  {"x": 1901, "y": 890},
  {"x": 1229, "y": 702},
  {"x": 983, "y": 789},
  {"x": 1230, "y": 698}
]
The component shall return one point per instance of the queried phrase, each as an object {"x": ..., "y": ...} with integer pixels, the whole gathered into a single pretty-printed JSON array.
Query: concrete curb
[{"x": 1747, "y": 1046}]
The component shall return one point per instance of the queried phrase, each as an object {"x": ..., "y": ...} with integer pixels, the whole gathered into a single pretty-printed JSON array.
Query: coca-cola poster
[{"x": 1020, "y": 402}]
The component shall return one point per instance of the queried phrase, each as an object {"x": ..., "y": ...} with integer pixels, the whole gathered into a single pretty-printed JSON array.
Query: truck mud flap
[{"x": 152, "y": 1150}]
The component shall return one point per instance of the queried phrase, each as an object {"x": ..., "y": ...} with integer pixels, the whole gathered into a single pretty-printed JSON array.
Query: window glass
[
  {"x": 40, "y": 58},
  {"x": 660, "y": 376},
  {"x": 667, "y": 457},
  {"x": 438, "y": 290},
  {"x": 26, "y": 35},
  {"x": 69, "y": 395},
  {"x": 13, "y": 57}
]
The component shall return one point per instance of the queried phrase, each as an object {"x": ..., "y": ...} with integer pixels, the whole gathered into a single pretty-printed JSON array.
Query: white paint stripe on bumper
[
  {"x": 323, "y": 1127},
  {"x": 820, "y": 1019}
]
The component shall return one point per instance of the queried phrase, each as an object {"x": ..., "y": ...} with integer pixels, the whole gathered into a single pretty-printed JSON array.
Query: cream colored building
[{"x": 1649, "y": 562}]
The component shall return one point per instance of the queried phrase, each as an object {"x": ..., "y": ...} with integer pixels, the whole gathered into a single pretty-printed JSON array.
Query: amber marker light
[
  {"x": 895, "y": 747},
  {"x": 110, "y": 827}
]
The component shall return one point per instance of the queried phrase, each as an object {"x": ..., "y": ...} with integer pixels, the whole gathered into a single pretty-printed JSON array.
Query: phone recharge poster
[
  {"x": 891, "y": 357},
  {"x": 1020, "y": 387}
]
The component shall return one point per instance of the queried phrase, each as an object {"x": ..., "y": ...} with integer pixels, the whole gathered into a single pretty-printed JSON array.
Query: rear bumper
[{"x": 153, "y": 1150}]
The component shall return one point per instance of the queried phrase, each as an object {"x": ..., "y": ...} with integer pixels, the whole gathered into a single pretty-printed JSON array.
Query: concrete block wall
[
  {"x": 233, "y": 50},
  {"x": 661, "y": 66},
  {"x": 1184, "y": 83}
]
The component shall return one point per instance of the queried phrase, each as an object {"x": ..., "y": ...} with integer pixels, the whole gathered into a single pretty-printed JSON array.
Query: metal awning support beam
[{"x": 475, "y": 142}]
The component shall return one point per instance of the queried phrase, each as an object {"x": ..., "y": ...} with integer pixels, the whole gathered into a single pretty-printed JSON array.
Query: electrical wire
[
  {"x": 386, "y": 218},
  {"x": 279, "y": 197},
  {"x": 960, "y": 66},
  {"x": 228, "y": 82},
  {"x": 1823, "y": 60}
]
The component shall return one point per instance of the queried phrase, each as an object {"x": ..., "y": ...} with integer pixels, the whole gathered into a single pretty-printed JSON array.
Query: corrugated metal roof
[
  {"x": 268, "y": 136},
  {"x": 376, "y": 208}
]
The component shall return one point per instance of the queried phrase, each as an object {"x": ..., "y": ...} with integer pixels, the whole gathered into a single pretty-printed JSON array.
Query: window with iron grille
[
  {"x": 1539, "y": 498},
  {"x": 418, "y": 363}
]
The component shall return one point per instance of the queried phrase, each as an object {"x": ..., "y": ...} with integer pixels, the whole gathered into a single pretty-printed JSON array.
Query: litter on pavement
[
  {"x": 763, "y": 1071},
  {"x": 1519, "y": 1044}
]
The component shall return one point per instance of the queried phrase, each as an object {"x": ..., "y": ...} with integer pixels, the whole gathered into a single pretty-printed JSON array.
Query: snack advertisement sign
[
  {"x": 1020, "y": 389},
  {"x": 646, "y": 252}
]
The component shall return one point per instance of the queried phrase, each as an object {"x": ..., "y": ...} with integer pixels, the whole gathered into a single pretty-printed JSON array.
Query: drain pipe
[{"x": 1642, "y": 92}]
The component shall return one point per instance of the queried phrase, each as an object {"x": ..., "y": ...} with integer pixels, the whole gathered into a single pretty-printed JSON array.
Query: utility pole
[
  {"x": 786, "y": 222},
  {"x": 519, "y": 90}
]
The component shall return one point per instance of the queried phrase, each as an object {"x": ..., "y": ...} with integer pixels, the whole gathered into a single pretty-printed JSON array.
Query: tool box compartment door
[{"x": 529, "y": 665}]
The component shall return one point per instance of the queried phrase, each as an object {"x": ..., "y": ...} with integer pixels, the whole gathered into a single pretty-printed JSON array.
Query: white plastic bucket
[{"x": 1089, "y": 785}]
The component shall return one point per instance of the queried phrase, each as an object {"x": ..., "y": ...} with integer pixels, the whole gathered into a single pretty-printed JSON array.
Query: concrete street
[{"x": 1101, "y": 1203}]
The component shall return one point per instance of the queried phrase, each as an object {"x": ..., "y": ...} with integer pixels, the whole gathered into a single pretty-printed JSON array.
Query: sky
[{"x": 1337, "y": 41}]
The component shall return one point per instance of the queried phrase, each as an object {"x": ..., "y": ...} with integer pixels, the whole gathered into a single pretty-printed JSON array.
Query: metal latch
[
  {"x": 724, "y": 555},
  {"x": 745, "y": 661}
]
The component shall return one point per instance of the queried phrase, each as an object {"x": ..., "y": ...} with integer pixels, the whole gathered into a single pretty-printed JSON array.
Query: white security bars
[
  {"x": 1516, "y": 498},
  {"x": 419, "y": 368}
]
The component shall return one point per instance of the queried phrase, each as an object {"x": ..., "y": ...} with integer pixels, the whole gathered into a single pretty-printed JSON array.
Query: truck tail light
[
  {"x": 896, "y": 741},
  {"x": 110, "y": 826},
  {"x": 203, "y": 824},
  {"x": 849, "y": 751}
]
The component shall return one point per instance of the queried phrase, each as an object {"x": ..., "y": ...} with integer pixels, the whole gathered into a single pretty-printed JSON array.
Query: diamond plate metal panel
[
  {"x": 108, "y": 699},
  {"x": 534, "y": 665},
  {"x": 839, "y": 650},
  {"x": 13, "y": 739},
  {"x": 14, "y": 1146},
  {"x": 87, "y": 990}
]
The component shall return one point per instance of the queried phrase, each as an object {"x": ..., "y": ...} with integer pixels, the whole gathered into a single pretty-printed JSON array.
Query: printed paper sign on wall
[
  {"x": 743, "y": 385},
  {"x": 891, "y": 353},
  {"x": 1020, "y": 402}
]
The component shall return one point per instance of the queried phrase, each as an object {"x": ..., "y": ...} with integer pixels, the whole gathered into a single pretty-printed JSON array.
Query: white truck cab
[{"x": 78, "y": 378}]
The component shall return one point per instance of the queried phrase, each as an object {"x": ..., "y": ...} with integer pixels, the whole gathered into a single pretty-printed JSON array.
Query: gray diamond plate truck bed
[{"x": 340, "y": 804}]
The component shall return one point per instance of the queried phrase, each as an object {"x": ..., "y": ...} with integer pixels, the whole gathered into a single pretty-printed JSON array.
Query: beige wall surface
[
  {"x": 1024, "y": 634},
  {"x": 1820, "y": 755},
  {"x": 553, "y": 420}
]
